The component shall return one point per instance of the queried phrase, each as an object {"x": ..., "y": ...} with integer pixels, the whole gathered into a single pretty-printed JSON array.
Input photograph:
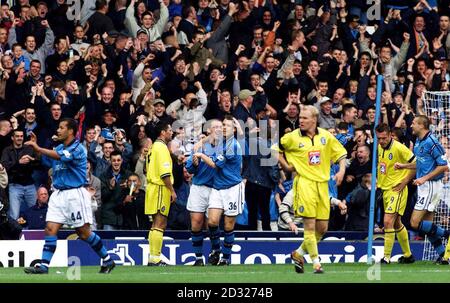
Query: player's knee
[
  {"x": 414, "y": 223},
  {"x": 388, "y": 223},
  {"x": 50, "y": 230},
  {"x": 196, "y": 225},
  {"x": 321, "y": 230},
  {"x": 213, "y": 222}
]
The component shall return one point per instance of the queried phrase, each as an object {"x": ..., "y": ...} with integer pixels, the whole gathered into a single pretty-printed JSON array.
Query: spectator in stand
[
  {"x": 18, "y": 160},
  {"x": 34, "y": 217}
]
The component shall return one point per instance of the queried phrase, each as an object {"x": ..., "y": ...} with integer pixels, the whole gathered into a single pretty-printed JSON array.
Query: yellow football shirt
[
  {"x": 312, "y": 157},
  {"x": 388, "y": 176},
  {"x": 159, "y": 163}
]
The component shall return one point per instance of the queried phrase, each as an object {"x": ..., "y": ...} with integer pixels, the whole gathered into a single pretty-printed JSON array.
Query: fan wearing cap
[
  {"x": 153, "y": 30},
  {"x": 395, "y": 108},
  {"x": 326, "y": 120},
  {"x": 249, "y": 103}
]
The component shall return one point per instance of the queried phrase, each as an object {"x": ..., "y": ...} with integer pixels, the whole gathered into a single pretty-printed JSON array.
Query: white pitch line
[{"x": 327, "y": 272}]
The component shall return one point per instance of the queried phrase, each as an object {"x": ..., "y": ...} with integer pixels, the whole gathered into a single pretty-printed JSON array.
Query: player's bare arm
[
  {"x": 40, "y": 150},
  {"x": 284, "y": 164},
  {"x": 168, "y": 184},
  {"x": 436, "y": 172},
  {"x": 205, "y": 159},
  {"x": 399, "y": 187},
  {"x": 341, "y": 173},
  {"x": 405, "y": 165}
]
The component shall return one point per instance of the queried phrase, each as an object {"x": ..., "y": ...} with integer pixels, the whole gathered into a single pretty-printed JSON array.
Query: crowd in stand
[{"x": 120, "y": 67}]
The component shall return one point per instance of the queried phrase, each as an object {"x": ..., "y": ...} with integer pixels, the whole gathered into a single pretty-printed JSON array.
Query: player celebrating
[
  {"x": 159, "y": 192},
  {"x": 70, "y": 203},
  {"x": 227, "y": 195},
  {"x": 393, "y": 183},
  {"x": 202, "y": 183},
  {"x": 430, "y": 168},
  {"x": 310, "y": 150}
]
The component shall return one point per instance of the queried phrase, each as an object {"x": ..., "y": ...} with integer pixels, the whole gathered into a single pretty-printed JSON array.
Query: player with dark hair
[
  {"x": 227, "y": 195},
  {"x": 70, "y": 203},
  {"x": 160, "y": 193},
  {"x": 393, "y": 183}
]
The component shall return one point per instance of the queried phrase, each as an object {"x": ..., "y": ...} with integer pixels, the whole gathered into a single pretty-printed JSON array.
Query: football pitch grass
[{"x": 342, "y": 273}]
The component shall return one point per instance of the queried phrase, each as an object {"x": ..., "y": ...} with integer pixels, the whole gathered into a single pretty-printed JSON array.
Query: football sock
[
  {"x": 431, "y": 229},
  {"x": 214, "y": 236},
  {"x": 447, "y": 250},
  {"x": 155, "y": 239},
  {"x": 228, "y": 242},
  {"x": 197, "y": 243},
  {"x": 311, "y": 244},
  {"x": 48, "y": 250},
  {"x": 318, "y": 237},
  {"x": 437, "y": 244},
  {"x": 97, "y": 245},
  {"x": 302, "y": 249},
  {"x": 389, "y": 238},
  {"x": 402, "y": 237}
]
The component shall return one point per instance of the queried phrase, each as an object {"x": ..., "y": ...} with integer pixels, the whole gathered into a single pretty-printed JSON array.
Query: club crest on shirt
[
  {"x": 323, "y": 140},
  {"x": 163, "y": 209},
  {"x": 314, "y": 157},
  {"x": 391, "y": 156},
  {"x": 66, "y": 153},
  {"x": 421, "y": 150},
  {"x": 301, "y": 145},
  {"x": 383, "y": 168},
  {"x": 301, "y": 209}
]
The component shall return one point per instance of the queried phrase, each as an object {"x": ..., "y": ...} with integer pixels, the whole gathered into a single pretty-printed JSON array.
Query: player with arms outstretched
[{"x": 70, "y": 203}]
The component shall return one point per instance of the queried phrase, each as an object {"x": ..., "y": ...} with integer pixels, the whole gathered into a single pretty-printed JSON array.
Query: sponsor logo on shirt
[{"x": 314, "y": 157}]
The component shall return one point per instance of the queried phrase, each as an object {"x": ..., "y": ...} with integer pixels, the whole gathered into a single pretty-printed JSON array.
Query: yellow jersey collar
[{"x": 305, "y": 135}]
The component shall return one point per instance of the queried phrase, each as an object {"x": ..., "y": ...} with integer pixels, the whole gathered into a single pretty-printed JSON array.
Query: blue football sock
[
  {"x": 48, "y": 250},
  {"x": 431, "y": 229},
  {"x": 197, "y": 243},
  {"x": 97, "y": 245},
  {"x": 228, "y": 244},
  {"x": 437, "y": 244},
  {"x": 214, "y": 236}
]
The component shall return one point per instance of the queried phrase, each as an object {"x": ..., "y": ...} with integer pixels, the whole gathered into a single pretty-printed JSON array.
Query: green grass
[{"x": 355, "y": 273}]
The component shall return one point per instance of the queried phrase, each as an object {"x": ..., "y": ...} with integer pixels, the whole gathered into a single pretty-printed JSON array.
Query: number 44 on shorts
[{"x": 78, "y": 217}]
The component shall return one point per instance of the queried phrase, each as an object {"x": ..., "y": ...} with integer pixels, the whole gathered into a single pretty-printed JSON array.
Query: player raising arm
[
  {"x": 200, "y": 191},
  {"x": 227, "y": 195},
  {"x": 70, "y": 203}
]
